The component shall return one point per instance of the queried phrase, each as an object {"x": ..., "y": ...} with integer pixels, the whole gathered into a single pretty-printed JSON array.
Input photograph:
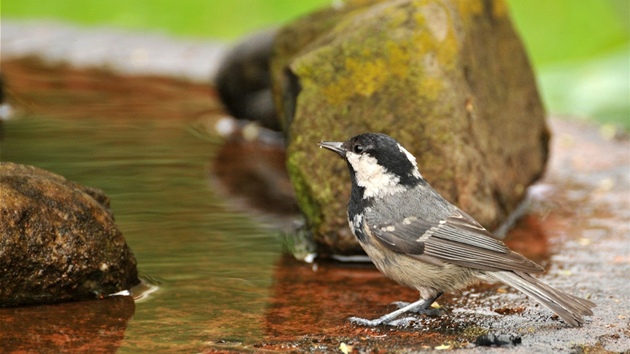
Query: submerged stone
[
  {"x": 75, "y": 327},
  {"x": 58, "y": 240}
]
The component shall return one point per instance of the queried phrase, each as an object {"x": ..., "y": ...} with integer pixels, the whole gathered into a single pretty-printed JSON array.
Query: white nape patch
[
  {"x": 411, "y": 158},
  {"x": 376, "y": 180},
  {"x": 425, "y": 236}
]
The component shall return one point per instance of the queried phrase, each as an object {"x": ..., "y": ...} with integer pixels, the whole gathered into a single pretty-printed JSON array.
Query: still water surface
[{"x": 213, "y": 264}]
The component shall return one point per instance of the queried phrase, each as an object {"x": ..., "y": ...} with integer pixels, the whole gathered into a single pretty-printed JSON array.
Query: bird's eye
[{"x": 357, "y": 149}]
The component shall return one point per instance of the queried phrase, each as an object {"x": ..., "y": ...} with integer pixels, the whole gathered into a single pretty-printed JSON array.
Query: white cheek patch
[
  {"x": 376, "y": 180},
  {"x": 412, "y": 159}
]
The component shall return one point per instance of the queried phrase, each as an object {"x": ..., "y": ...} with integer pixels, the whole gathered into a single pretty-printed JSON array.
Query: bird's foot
[
  {"x": 404, "y": 322},
  {"x": 401, "y": 322},
  {"x": 365, "y": 322},
  {"x": 390, "y": 318}
]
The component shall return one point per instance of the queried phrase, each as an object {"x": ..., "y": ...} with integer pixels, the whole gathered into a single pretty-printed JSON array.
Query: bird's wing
[{"x": 457, "y": 239}]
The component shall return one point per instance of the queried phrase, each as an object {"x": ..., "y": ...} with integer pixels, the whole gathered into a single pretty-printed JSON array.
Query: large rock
[
  {"x": 449, "y": 79},
  {"x": 58, "y": 240}
]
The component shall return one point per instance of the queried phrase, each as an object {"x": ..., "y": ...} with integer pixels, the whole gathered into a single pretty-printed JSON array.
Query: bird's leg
[
  {"x": 390, "y": 317},
  {"x": 425, "y": 309}
]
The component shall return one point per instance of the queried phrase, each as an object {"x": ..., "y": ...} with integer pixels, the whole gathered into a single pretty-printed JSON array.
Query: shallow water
[
  {"x": 223, "y": 283},
  {"x": 208, "y": 260}
]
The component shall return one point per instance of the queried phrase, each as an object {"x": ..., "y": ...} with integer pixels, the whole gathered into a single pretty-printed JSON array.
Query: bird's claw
[
  {"x": 365, "y": 322},
  {"x": 403, "y": 322}
]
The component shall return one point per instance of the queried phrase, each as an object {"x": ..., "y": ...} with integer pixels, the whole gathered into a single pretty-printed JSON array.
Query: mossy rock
[{"x": 449, "y": 79}]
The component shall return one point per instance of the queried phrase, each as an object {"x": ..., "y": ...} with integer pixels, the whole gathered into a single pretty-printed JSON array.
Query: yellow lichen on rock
[
  {"x": 399, "y": 59},
  {"x": 469, "y": 8},
  {"x": 366, "y": 76},
  {"x": 499, "y": 9}
]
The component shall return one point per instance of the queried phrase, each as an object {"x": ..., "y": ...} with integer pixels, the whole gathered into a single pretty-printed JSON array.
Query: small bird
[{"x": 417, "y": 238}]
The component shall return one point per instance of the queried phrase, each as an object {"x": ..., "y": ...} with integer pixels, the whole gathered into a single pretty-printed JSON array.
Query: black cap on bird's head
[{"x": 377, "y": 163}]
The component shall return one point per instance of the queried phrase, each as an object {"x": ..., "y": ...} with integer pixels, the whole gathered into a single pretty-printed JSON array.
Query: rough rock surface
[
  {"x": 58, "y": 240},
  {"x": 448, "y": 78}
]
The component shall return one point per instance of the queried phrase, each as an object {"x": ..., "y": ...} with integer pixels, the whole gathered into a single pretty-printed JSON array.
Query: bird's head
[{"x": 378, "y": 164}]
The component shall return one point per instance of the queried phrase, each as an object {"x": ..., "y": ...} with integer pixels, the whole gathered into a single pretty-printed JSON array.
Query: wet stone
[{"x": 58, "y": 240}]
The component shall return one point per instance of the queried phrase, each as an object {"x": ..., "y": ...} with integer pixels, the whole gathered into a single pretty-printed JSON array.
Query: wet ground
[{"x": 223, "y": 281}]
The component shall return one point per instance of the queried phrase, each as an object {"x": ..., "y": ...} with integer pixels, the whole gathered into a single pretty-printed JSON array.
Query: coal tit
[{"x": 417, "y": 238}]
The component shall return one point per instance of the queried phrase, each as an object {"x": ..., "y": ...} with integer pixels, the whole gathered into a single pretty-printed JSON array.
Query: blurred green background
[{"x": 580, "y": 49}]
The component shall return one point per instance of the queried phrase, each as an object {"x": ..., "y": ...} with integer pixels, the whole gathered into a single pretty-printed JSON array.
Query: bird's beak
[{"x": 333, "y": 146}]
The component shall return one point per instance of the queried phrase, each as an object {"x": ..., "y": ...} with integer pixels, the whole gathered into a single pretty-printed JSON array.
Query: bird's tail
[{"x": 570, "y": 308}]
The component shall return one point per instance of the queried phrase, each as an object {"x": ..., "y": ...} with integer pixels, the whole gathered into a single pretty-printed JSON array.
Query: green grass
[
  {"x": 225, "y": 19},
  {"x": 581, "y": 53},
  {"x": 561, "y": 30}
]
